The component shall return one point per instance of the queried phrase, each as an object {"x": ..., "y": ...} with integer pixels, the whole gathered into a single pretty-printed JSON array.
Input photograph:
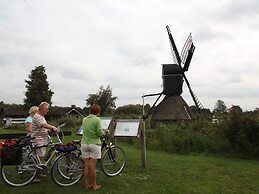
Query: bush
[
  {"x": 198, "y": 136},
  {"x": 242, "y": 132},
  {"x": 72, "y": 124}
]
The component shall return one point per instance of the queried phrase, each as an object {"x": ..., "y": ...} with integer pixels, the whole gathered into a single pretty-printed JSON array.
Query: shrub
[
  {"x": 72, "y": 124},
  {"x": 242, "y": 132},
  {"x": 193, "y": 137}
]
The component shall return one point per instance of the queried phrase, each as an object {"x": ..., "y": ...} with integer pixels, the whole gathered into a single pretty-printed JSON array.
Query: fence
[{"x": 9, "y": 121}]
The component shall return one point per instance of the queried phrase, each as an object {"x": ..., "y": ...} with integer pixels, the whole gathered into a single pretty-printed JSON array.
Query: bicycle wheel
[
  {"x": 67, "y": 169},
  {"x": 20, "y": 175},
  {"x": 113, "y": 161}
]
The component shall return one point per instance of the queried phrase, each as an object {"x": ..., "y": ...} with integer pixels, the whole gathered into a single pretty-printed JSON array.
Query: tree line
[{"x": 38, "y": 90}]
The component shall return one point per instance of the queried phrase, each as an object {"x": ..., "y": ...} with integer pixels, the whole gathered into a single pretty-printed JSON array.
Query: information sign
[{"x": 127, "y": 128}]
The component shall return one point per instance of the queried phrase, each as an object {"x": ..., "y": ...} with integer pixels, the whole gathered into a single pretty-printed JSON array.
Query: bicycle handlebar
[
  {"x": 59, "y": 135},
  {"x": 62, "y": 125}
]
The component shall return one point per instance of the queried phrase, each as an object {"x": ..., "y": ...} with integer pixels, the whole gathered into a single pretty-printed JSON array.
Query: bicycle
[
  {"x": 29, "y": 165},
  {"x": 113, "y": 159},
  {"x": 67, "y": 169}
]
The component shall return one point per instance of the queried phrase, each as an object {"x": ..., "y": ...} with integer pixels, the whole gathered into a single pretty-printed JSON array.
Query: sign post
[{"x": 143, "y": 144}]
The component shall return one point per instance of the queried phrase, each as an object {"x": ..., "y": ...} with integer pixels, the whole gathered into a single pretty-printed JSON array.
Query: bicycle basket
[
  {"x": 11, "y": 155},
  {"x": 69, "y": 147}
]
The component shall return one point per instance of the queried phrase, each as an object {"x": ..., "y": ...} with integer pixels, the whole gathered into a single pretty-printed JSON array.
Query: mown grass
[
  {"x": 8, "y": 131},
  {"x": 165, "y": 173}
]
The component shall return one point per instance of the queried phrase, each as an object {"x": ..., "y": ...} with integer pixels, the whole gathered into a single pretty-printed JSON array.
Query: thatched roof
[{"x": 172, "y": 108}]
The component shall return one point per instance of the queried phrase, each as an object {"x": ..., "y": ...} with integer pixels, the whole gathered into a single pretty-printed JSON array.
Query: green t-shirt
[{"x": 92, "y": 130}]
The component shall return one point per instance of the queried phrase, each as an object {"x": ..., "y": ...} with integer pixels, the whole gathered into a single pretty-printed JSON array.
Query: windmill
[
  {"x": 173, "y": 107},
  {"x": 185, "y": 59}
]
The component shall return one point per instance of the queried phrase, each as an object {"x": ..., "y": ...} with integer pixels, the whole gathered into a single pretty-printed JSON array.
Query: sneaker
[{"x": 36, "y": 180}]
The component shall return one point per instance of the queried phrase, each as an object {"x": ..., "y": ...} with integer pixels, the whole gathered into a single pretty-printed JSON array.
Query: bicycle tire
[
  {"x": 20, "y": 175},
  {"x": 67, "y": 169},
  {"x": 113, "y": 161}
]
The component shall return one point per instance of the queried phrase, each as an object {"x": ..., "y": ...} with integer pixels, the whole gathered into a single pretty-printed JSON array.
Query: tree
[
  {"x": 37, "y": 88},
  {"x": 104, "y": 99},
  {"x": 235, "y": 109},
  {"x": 147, "y": 107},
  {"x": 220, "y": 106},
  {"x": 130, "y": 111},
  {"x": 1, "y": 109}
]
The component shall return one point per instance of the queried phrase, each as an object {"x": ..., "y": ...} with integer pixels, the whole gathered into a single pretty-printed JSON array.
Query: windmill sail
[
  {"x": 194, "y": 97},
  {"x": 187, "y": 52},
  {"x": 175, "y": 52},
  {"x": 185, "y": 59},
  {"x": 188, "y": 58}
]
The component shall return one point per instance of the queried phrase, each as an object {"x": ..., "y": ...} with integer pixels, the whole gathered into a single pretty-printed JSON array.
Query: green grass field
[{"x": 165, "y": 173}]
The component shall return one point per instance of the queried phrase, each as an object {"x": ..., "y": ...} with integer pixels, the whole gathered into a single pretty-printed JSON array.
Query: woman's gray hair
[{"x": 43, "y": 104}]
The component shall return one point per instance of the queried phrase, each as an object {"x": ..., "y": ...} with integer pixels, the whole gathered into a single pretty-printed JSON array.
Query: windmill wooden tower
[{"x": 173, "y": 107}]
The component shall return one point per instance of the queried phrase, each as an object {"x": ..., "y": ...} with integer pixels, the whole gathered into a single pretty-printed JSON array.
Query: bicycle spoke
[
  {"x": 113, "y": 161},
  {"x": 19, "y": 175},
  {"x": 67, "y": 170}
]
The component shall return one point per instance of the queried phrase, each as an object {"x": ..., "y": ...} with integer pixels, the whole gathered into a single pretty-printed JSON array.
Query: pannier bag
[
  {"x": 11, "y": 153},
  {"x": 69, "y": 147}
]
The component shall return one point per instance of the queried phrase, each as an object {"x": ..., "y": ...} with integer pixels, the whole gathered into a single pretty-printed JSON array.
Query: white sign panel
[
  {"x": 127, "y": 128},
  {"x": 105, "y": 121}
]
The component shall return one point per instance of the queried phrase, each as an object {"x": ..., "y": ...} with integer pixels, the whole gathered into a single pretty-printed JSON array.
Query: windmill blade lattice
[
  {"x": 174, "y": 50},
  {"x": 186, "y": 48}
]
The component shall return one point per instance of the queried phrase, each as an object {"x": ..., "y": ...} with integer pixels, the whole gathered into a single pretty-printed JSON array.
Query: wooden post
[
  {"x": 112, "y": 130},
  {"x": 143, "y": 144},
  {"x": 143, "y": 136}
]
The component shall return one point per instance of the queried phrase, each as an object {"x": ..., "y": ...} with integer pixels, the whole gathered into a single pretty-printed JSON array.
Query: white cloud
[{"x": 86, "y": 44}]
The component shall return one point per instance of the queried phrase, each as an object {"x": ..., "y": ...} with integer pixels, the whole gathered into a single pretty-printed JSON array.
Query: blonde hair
[
  {"x": 33, "y": 109},
  {"x": 43, "y": 104}
]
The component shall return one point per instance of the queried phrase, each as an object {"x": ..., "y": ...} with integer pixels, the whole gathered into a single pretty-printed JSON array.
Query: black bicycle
[{"x": 113, "y": 158}]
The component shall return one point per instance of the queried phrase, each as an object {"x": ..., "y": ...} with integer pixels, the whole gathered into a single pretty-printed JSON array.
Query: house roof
[
  {"x": 73, "y": 111},
  {"x": 172, "y": 108}
]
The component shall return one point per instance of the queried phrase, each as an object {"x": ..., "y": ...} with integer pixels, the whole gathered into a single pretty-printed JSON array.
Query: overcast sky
[{"x": 85, "y": 44}]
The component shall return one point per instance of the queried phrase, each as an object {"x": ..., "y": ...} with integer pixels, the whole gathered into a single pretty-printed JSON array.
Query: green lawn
[
  {"x": 165, "y": 173},
  {"x": 8, "y": 131}
]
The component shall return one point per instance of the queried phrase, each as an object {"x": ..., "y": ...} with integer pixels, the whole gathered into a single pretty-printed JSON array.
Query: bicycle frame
[
  {"x": 113, "y": 158},
  {"x": 108, "y": 146},
  {"x": 50, "y": 154}
]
